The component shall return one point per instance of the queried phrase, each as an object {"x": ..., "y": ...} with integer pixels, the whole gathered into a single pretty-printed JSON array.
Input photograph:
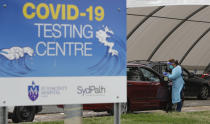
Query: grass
[{"x": 149, "y": 118}]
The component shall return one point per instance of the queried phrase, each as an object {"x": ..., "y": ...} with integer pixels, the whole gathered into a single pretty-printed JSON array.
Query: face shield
[{"x": 170, "y": 66}]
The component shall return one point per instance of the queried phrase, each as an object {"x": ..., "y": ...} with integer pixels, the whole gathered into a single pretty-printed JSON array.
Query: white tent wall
[
  {"x": 160, "y": 36},
  {"x": 204, "y": 15},
  {"x": 180, "y": 41},
  {"x": 178, "y": 12},
  {"x": 142, "y": 3},
  {"x": 147, "y": 37},
  {"x": 200, "y": 55},
  {"x": 133, "y": 21}
]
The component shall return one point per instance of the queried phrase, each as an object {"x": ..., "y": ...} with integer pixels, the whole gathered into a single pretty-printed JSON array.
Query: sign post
[
  {"x": 62, "y": 52},
  {"x": 73, "y": 114},
  {"x": 117, "y": 113},
  {"x": 3, "y": 115}
]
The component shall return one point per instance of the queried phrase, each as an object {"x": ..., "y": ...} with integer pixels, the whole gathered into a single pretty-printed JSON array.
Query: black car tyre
[
  {"x": 203, "y": 93},
  {"x": 23, "y": 114}
]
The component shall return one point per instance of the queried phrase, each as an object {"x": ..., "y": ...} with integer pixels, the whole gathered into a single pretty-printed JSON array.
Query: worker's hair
[{"x": 174, "y": 61}]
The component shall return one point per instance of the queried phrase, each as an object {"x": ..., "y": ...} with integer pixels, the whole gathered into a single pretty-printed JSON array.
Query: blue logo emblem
[{"x": 33, "y": 91}]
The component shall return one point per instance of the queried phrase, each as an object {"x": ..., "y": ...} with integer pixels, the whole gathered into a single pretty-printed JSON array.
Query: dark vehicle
[
  {"x": 23, "y": 113},
  {"x": 206, "y": 74},
  {"x": 146, "y": 90},
  {"x": 194, "y": 85}
]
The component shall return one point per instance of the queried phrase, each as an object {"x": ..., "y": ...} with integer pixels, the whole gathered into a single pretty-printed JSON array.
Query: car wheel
[
  {"x": 124, "y": 109},
  {"x": 23, "y": 114},
  {"x": 203, "y": 93}
]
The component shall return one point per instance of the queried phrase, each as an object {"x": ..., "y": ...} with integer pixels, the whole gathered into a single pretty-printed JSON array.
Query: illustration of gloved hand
[{"x": 165, "y": 73}]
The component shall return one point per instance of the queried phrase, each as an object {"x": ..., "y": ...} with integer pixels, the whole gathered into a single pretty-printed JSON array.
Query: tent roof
[
  {"x": 143, "y": 3},
  {"x": 160, "y": 33}
]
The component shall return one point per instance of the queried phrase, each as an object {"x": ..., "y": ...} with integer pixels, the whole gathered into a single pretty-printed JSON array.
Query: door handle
[{"x": 130, "y": 84}]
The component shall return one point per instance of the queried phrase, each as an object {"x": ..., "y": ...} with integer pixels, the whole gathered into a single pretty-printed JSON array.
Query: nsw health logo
[{"x": 33, "y": 91}]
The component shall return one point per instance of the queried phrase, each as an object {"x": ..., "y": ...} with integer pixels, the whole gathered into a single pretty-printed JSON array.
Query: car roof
[
  {"x": 132, "y": 64},
  {"x": 146, "y": 63}
]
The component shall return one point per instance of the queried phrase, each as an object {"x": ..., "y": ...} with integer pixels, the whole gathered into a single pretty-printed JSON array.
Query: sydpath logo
[{"x": 91, "y": 90}]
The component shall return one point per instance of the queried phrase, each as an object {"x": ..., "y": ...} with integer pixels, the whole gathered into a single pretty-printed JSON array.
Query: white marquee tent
[{"x": 158, "y": 30}]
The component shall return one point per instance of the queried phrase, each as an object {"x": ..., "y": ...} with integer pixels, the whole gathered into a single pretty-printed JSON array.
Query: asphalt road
[
  {"x": 188, "y": 103},
  {"x": 195, "y": 102}
]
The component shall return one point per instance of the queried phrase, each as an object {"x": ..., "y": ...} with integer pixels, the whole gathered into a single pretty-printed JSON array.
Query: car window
[
  {"x": 164, "y": 68},
  {"x": 133, "y": 74},
  {"x": 156, "y": 68},
  {"x": 160, "y": 68},
  {"x": 149, "y": 75}
]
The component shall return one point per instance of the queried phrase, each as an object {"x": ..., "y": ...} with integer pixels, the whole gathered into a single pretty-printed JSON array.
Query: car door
[
  {"x": 157, "y": 89},
  {"x": 191, "y": 84},
  {"x": 137, "y": 89},
  {"x": 187, "y": 88}
]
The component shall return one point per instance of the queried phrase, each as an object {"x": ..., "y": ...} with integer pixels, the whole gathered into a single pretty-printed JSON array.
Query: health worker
[{"x": 177, "y": 83}]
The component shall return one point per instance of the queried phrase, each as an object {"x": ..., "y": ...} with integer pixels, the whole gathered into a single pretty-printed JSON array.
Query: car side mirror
[{"x": 166, "y": 78}]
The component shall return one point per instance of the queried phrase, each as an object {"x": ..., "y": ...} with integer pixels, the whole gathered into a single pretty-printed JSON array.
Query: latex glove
[{"x": 165, "y": 73}]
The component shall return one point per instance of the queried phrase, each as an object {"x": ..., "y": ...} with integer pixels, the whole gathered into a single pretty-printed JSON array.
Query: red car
[{"x": 146, "y": 90}]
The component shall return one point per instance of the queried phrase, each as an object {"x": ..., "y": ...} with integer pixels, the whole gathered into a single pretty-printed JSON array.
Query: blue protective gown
[{"x": 177, "y": 84}]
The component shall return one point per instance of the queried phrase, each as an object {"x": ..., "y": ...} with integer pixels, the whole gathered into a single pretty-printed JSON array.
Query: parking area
[
  {"x": 192, "y": 102},
  {"x": 52, "y": 113}
]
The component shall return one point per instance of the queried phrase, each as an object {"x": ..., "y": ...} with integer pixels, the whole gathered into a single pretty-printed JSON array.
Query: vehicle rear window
[{"x": 133, "y": 74}]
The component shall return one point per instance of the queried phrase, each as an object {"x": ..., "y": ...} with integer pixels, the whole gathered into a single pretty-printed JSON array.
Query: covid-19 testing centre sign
[{"x": 62, "y": 52}]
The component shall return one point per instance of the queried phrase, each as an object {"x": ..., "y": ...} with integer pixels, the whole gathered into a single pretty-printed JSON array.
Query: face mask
[{"x": 171, "y": 66}]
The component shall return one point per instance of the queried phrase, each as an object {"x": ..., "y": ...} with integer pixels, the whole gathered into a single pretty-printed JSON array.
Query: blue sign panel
[{"x": 55, "y": 38}]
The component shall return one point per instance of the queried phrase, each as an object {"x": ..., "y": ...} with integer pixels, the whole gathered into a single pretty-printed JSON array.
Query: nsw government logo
[{"x": 33, "y": 91}]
